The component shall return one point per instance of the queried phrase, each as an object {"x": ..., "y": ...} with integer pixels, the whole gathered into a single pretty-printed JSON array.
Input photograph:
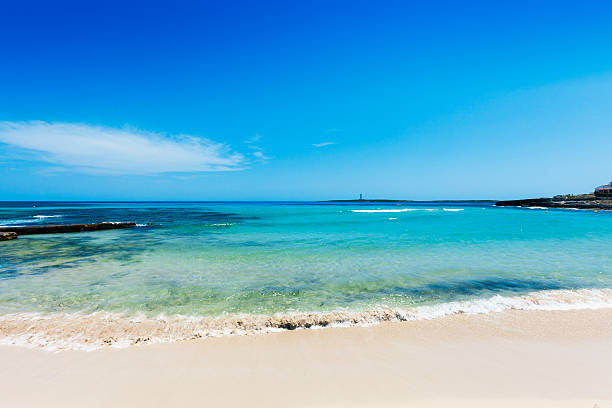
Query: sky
[{"x": 314, "y": 100}]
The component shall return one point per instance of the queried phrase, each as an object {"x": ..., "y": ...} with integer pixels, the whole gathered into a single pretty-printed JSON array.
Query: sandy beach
[{"x": 512, "y": 358}]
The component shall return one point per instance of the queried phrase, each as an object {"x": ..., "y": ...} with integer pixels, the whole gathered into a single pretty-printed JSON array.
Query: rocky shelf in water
[
  {"x": 7, "y": 236},
  {"x": 62, "y": 228},
  {"x": 583, "y": 202}
]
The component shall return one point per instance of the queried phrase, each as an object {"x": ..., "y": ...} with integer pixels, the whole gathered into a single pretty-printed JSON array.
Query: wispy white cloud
[
  {"x": 253, "y": 139},
  {"x": 259, "y": 152},
  {"x": 323, "y": 144},
  {"x": 100, "y": 149},
  {"x": 260, "y": 155}
]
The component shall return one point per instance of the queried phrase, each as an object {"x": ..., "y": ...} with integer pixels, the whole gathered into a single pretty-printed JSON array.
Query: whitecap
[
  {"x": 76, "y": 331},
  {"x": 15, "y": 223},
  {"x": 386, "y": 211}
]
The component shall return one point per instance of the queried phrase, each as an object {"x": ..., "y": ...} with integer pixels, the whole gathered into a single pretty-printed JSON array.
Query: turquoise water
[{"x": 216, "y": 259}]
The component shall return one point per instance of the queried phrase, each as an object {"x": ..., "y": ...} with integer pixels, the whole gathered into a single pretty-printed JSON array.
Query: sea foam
[
  {"x": 15, "y": 223},
  {"x": 75, "y": 331},
  {"x": 18, "y": 222},
  {"x": 388, "y": 210}
]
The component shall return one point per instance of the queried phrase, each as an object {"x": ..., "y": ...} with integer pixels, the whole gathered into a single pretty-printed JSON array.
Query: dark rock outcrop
[
  {"x": 584, "y": 202},
  {"x": 64, "y": 228},
  {"x": 6, "y": 236}
]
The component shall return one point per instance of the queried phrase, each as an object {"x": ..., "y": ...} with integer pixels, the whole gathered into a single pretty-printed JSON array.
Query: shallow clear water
[{"x": 213, "y": 259}]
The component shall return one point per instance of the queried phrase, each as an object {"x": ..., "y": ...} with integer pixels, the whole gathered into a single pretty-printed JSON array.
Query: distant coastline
[
  {"x": 582, "y": 201},
  {"x": 382, "y": 201}
]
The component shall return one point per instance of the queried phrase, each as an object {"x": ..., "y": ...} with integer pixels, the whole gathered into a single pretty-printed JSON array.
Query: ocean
[{"x": 197, "y": 269}]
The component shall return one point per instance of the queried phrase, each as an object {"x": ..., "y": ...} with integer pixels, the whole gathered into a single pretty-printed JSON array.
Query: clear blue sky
[{"x": 304, "y": 100}]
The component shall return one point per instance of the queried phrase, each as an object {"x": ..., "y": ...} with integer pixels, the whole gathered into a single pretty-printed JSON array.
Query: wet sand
[{"x": 507, "y": 359}]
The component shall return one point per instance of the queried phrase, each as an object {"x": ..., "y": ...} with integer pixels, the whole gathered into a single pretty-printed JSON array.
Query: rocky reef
[
  {"x": 6, "y": 236},
  {"x": 62, "y": 228}
]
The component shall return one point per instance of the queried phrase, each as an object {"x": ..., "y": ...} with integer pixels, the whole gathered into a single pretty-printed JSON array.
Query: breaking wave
[
  {"x": 76, "y": 331},
  {"x": 15, "y": 223},
  {"x": 389, "y": 210}
]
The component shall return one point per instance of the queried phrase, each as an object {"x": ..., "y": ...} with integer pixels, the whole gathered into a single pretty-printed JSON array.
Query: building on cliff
[{"x": 604, "y": 191}]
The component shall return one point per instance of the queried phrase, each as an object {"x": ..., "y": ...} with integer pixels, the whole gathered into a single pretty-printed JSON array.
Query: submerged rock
[
  {"x": 6, "y": 236},
  {"x": 63, "y": 228}
]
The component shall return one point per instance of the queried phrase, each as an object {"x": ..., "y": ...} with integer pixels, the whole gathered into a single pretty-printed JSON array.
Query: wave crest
[
  {"x": 393, "y": 210},
  {"x": 77, "y": 331}
]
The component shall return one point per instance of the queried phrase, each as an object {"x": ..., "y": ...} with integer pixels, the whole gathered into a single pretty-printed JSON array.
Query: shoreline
[
  {"x": 509, "y": 358},
  {"x": 88, "y": 332}
]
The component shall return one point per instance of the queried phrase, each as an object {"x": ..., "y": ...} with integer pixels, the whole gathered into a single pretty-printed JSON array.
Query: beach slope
[{"x": 512, "y": 358}]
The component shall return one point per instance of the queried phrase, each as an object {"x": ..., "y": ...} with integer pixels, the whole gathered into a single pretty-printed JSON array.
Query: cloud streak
[
  {"x": 259, "y": 152},
  {"x": 253, "y": 139},
  {"x": 323, "y": 144},
  {"x": 99, "y": 149},
  {"x": 260, "y": 155}
]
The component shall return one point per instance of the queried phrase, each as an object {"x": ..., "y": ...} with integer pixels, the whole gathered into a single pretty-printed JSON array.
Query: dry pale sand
[{"x": 508, "y": 359}]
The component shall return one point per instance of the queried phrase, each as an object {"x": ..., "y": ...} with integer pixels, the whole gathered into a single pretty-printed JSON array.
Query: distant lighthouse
[{"x": 360, "y": 197}]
